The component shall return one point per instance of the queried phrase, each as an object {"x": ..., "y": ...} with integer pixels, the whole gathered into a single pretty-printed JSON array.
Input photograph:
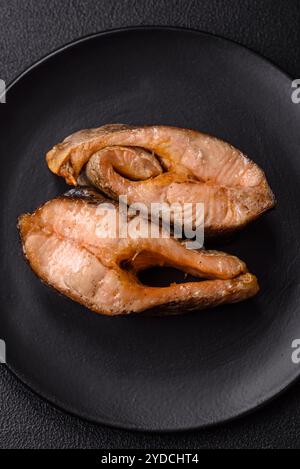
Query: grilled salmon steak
[
  {"x": 167, "y": 165},
  {"x": 69, "y": 246}
]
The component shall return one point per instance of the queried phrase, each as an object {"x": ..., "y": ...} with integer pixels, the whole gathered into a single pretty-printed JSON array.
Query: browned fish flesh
[
  {"x": 170, "y": 165},
  {"x": 62, "y": 245}
]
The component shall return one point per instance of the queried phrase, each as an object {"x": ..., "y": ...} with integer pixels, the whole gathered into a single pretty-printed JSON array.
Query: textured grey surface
[
  {"x": 26, "y": 421},
  {"x": 29, "y": 29}
]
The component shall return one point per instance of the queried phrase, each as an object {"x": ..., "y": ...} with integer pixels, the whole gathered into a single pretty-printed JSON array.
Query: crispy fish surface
[
  {"x": 164, "y": 164},
  {"x": 64, "y": 244}
]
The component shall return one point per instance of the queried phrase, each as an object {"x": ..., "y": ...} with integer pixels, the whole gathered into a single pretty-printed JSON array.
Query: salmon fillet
[
  {"x": 64, "y": 244},
  {"x": 164, "y": 164}
]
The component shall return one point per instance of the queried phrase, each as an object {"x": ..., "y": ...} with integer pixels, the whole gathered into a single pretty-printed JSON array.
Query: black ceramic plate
[{"x": 154, "y": 373}]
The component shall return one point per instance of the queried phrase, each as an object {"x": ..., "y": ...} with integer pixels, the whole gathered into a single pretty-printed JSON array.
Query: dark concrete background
[{"x": 30, "y": 29}]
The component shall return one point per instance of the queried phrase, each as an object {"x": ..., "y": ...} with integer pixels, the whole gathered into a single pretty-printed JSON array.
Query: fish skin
[
  {"x": 167, "y": 164},
  {"x": 61, "y": 245}
]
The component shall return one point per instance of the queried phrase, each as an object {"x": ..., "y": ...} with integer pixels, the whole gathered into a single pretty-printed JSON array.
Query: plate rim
[{"x": 112, "y": 31}]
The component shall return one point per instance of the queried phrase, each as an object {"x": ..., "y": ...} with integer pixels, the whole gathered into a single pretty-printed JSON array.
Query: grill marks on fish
[
  {"x": 167, "y": 164},
  {"x": 61, "y": 243}
]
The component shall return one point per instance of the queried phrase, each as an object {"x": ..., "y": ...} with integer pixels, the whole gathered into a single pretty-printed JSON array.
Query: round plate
[{"x": 141, "y": 372}]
